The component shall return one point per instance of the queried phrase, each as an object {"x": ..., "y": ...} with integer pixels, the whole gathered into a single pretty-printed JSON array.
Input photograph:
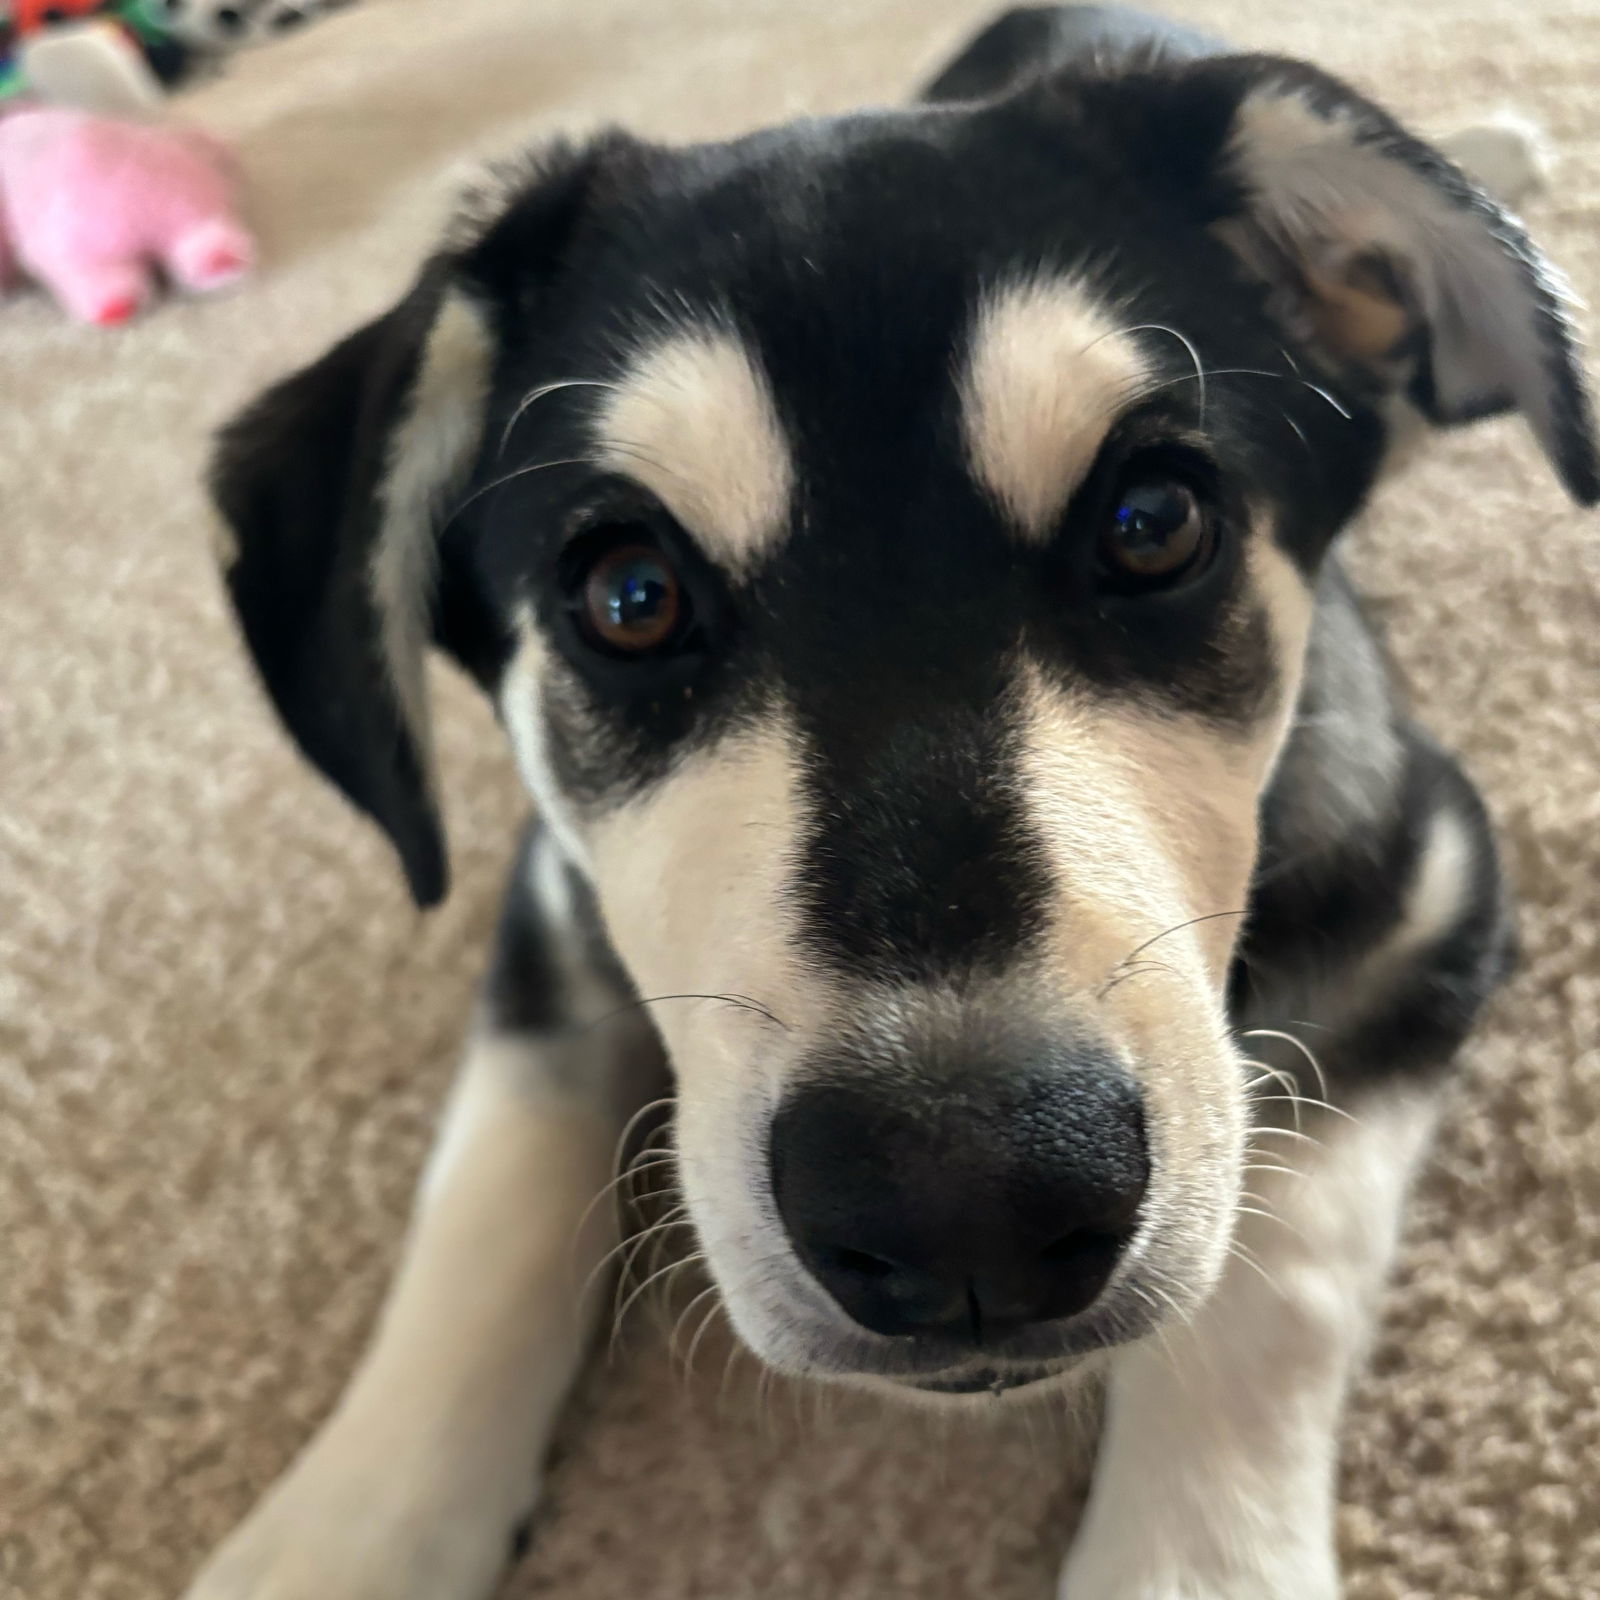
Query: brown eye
[
  {"x": 631, "y": 600},
  {"x": 1156, "y": 533}
]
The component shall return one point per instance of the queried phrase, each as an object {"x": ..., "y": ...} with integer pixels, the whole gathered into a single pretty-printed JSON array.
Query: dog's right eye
[{"x": 625, "y": 594}]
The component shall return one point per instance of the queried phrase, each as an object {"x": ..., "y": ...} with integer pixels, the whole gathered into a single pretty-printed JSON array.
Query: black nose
[{"x": 970, "y": 1206}]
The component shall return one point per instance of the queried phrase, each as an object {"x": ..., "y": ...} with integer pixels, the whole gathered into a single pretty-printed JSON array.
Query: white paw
[
  {"x": 1174, "y": 1586},
  {"x": 360, "y": 1539},
  {"x": 1141, "y": 1575},
  {"x": 1510, "y": 156}
]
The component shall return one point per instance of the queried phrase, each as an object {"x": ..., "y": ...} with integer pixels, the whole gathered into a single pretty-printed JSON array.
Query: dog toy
[
  {"x": 134, "y": 26},
  {"x": 217, "y": 26},
  {"x": 89, "y": 204}
]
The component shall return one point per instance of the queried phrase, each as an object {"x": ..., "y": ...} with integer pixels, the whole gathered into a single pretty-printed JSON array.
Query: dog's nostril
[
  {"x": 860, "y": 1264},
  {"x": 1077, "y": 1267},
  {"x": 1083, "y": 1246}
]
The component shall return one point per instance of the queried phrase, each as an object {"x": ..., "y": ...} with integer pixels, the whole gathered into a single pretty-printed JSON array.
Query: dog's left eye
[
  {"x": 1157, "y": 533},
  {"x": 627, "y": 596}
]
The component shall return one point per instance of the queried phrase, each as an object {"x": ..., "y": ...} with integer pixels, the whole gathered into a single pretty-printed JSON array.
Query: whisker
[
  {"x": 628, "y": 1304},
  {"x": 533, "y": 396},
  {"x": 511, "y": 477},
  {"x": 682, "y": 1320},
  {"x": 735, "y": 1350},
  {"x": 1242, "y": 1253},
  {"x": 1284, "y": 1081},
  {"x": 657, "y": 1158},
  {"x": 1272, "y": 1166},
  {"x": 1197, "y": 376},
  {"x": 738, "y": 1001},
  {"x": 1134, "y": 971},
  {"x": 646, "y": 1158},
  {"x": 1287, "y": 1133},
  {"x": 627, "y": 1250},
  {"x": 1177, "y": 927},
  {"x": 633, "y": 1122},
  {"x": 1269, "y": 1216},
  {"x": 1183, "y": 1317},
  {"x": 1311, "y": 1060},
  {"x": 636, "y": 1243},
  {"x": 694, "y": 1344},
  {"x": 1251, "y": 372},
  {"x": 1305, "y": 1100}
]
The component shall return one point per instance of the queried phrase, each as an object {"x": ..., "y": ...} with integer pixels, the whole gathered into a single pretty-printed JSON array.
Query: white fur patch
[
  {"x": 522, "y": 710},
  {"x": 1046, "y": 374},
  {"x": 1434, "y": 902},
  {"x": 694, "y": 422},
  {"x": 430, "y": 452}
]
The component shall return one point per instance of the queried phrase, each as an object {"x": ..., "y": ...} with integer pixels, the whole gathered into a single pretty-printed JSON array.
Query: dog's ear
[
  {"x": 333, "y": 485},
  {"x": 1385, "y": 260}
]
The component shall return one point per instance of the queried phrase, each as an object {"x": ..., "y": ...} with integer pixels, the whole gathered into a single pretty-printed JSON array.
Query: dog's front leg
[
  {"x": 1216, "y": 1477},
  {"x": 416, "y": 1486}
]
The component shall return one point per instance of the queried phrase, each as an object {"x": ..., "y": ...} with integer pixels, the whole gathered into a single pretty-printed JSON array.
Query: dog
[{"x": 902, "y": 549}]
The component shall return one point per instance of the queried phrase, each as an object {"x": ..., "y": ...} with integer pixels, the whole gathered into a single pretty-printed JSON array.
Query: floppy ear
[
  {"x": 1384, "y": 259},
  {"x": 334, "y": 483}
]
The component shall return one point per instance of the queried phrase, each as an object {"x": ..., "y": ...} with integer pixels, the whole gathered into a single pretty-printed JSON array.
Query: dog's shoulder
[{"x": 1379, "y": 910}]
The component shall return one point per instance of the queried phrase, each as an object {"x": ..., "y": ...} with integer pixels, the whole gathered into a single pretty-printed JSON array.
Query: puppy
[{"x": 901, "y": 549}]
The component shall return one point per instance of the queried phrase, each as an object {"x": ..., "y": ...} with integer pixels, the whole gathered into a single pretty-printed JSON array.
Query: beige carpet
[{"x": 223, "y": 1035}]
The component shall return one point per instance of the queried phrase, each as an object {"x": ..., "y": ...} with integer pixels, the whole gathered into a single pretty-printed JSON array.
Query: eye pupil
[{"x": 638, "y": 595}]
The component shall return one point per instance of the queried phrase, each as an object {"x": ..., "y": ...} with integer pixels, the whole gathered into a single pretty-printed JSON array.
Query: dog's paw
[
  {"x": 359, "y": 1539},
  {"x": 1173, "y": 1586},
  {"x": 1143, "y": 1575},
  {"x": 1510, "y": 156}
]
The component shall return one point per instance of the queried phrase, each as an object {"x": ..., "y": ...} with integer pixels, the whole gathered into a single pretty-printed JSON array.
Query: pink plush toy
[{"x": 90, "y": 204}]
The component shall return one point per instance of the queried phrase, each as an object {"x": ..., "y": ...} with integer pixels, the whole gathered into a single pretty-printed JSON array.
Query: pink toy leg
[
  {"x": 208, "y": 255},
  {"x": 106, "y": 292}
]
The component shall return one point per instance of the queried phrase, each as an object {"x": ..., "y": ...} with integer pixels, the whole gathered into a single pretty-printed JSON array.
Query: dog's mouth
[{"x": 986, "y": 1380}]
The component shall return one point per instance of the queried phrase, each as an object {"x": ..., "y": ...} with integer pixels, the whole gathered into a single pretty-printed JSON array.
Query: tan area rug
[{"x": 224, "y": 1034}]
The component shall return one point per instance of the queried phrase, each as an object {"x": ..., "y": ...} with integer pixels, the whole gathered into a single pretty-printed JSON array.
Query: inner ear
[
  {"x": 1360, "y": 309},
  {"x": 1387, "y": 263}
]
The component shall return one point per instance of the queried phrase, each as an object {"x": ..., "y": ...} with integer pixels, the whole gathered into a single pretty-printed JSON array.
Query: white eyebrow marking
[
  {"x": 694, "y": 422},
  {"x": 1047, "y": 374}
]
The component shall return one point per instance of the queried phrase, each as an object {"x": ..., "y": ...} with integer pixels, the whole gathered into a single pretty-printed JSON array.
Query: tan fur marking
[
  {"x": 431, "y": 450},
  {"x": 1354, "y": 316},
  {"x": 694, "y": 422},
  {"x": 1047, "y": 374},
  {"x": 694, "y": 880}
]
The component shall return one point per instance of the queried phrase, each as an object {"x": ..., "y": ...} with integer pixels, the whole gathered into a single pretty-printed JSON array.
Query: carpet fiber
[{"x": 224, "y": 1034}]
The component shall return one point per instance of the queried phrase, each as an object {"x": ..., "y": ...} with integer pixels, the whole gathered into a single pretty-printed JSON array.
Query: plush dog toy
[{"x": 90, "y": 205}]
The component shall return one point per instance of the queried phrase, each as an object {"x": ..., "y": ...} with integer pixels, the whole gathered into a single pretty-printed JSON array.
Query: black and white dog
[{"x": 900, "y": 549}]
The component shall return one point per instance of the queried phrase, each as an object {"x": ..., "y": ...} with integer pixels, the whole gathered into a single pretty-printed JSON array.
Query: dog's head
[{"x": 890, "y": 543}]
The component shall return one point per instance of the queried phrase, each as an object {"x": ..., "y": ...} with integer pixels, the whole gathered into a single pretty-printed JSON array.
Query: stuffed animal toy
[
  {"x": 135, "y": 22},
  {"x": 90, "y": 205},
  {"x": 219, "y": 25}
]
